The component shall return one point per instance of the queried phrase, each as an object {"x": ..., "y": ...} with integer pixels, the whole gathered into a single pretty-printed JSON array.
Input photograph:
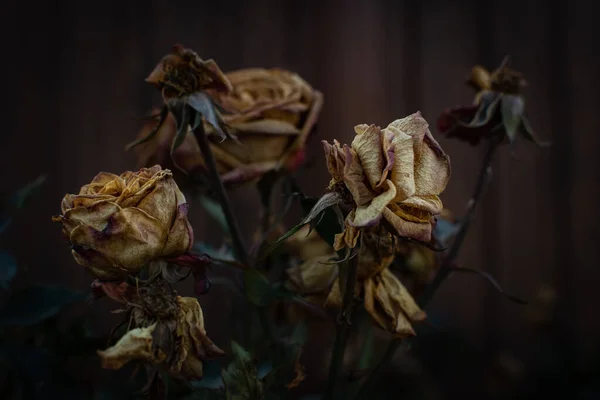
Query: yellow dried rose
[
  {"x": 181, "y": 345},
  {"x": 117, "y": 224},
  {"x": 270, "y": 111},
  {"x": 393, "y": 175}
]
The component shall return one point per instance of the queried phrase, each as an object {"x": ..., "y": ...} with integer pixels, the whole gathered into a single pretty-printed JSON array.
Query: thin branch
[
  {"x": 341, "y": 336},
  {"x": 217, "y": 185}
]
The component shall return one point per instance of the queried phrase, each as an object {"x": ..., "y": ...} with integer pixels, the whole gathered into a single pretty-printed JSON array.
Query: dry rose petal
[
  {"x": 117, "y": 224},
  {"x": 183, "y": 72},
  {"x": 179, "y": 344},
  {"x": 394, "y": 175},
  {"x": 270, "y": 111}
]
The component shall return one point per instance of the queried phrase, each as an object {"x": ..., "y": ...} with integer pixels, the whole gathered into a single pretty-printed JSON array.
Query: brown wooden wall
[{"x": 73, "y": 84}]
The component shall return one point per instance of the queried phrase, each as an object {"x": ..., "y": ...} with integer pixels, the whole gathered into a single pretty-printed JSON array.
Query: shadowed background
[{"x": 74, "y": 84}]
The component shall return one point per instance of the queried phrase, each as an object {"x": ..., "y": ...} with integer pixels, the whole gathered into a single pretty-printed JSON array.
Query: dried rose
[
  {"x": 181, "y": 345},
  {"x": 498, "y": 108},
  {"x": 183, "y": 72},
  {"x": 118, "y": 224},
  {"x": 271, "y": 112},
  {"x": 394, "y": 175},
  {"x": 385, "y": 298}
]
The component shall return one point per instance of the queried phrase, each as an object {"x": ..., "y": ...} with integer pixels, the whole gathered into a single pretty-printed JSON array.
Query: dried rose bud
[
  {"x": 394, "y": 175},
  {"x": 497, "y": 110},
  {"x": 270, "y": 111},
  {"x": 117, "y": 224},
  {"x": 183, "y": 73}
]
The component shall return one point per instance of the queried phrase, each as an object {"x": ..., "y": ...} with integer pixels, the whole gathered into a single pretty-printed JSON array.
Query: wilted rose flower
[
  {"x": 183, "y": 72},
  {"x": 385, "y": 298},
  {"x": 497, "y": 110},
  {"x": 117, "y": 224},
  {"x": 271, "y": 112},
  {"x": 394, "y": 175},
  {"x": 178, "y": 342}
]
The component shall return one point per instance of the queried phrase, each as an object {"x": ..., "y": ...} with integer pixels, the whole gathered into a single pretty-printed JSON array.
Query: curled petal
[
  {"x": 401, "y": 227},
  {"x": 404, "y": 159},
  {"x": 369, "y": 147},
  {"x": 355, "y": 179},
  {"x": 134, "y": 345},
  {"x": 370, "y": 214}
]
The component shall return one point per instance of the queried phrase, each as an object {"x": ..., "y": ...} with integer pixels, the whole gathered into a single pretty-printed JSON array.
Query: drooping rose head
[
  {"x": 183, "y": 72},
  {"x": 117, "y": 224},
  {"x": 393, "y": 175},
  {"x": 179, "y": 343},
  {"x": 271, "y": 112}
]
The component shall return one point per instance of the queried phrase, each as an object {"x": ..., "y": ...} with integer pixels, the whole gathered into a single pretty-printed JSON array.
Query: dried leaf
[
  {"x": 203, "y": 105},
  {"x": 512, "y": 111},
  {"x": 164, "y": 112}
]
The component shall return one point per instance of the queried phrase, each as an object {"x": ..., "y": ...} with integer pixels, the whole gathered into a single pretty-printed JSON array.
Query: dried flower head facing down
[
  {"x": 393, "y": 176},
  {"x": 385, "y": 298},
  {"x": 498, "y": 108},
  {"x": 168, "y": 331},
  {"x": 271, "y": 112},
  {"x": 183, "y": 72}
]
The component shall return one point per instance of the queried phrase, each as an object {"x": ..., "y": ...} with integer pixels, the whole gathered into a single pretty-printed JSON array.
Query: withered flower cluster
[
  {"x": 121, "y": 225},
  {"x": 392, "y": 179},
  {"x": 271, "y": 112}
]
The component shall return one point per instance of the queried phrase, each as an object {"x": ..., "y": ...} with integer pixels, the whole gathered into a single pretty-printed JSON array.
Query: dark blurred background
[{"x": 74, "y": 86}]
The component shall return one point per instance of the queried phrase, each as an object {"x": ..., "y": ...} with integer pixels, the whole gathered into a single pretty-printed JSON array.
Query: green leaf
[
  {"x": 164, "y": 113},
  {"x": 240, "y": 378},
  {"x": 204, "y": 106},
  {"x": 8, "y": 268},
  {"x": 211, "y": 376},
  {"x": 215, "y": 210},
  {"x": 18, "y": 200},
  {"x": 23, "y": 195},
  {"x": 257, "y": 287},
  {"x": 36, "y": 303},
  {"x": 512, "y": 111}
]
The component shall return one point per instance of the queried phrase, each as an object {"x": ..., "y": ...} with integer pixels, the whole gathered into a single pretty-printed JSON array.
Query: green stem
[
  {"x": 367, "y": 389},
  {"x": 341, "y": 336},
  {"x": 236, "y": 236}
]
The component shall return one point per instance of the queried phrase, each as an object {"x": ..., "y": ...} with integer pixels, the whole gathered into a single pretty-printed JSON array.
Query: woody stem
[
  {"x": 341, "y": 336},
  {"x": 444, "y": 271},
  {"x": 217, "y": 185}
]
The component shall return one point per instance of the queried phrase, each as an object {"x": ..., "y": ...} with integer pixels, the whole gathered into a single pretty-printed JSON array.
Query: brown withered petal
[
  {"x": 396, "y": 174},
  {"x": 119, "y": 223},
  {"x": 183, "y": 72},
  {"x": 134, "y": 345},
  {"x": 314, "y": 275},
  {"x": 180, "y": 344}
]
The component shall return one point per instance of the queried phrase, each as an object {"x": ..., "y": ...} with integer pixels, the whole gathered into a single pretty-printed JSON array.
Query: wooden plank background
[{"x": 73, "y": 84}]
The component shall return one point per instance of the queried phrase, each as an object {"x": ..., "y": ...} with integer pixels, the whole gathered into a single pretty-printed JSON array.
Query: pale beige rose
[
  {"x": 393, "y": 175},
  {"x": 117, "y": 224},
  {"x": 180, "y": 345},
  {"x": 270, "y": 111}
]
